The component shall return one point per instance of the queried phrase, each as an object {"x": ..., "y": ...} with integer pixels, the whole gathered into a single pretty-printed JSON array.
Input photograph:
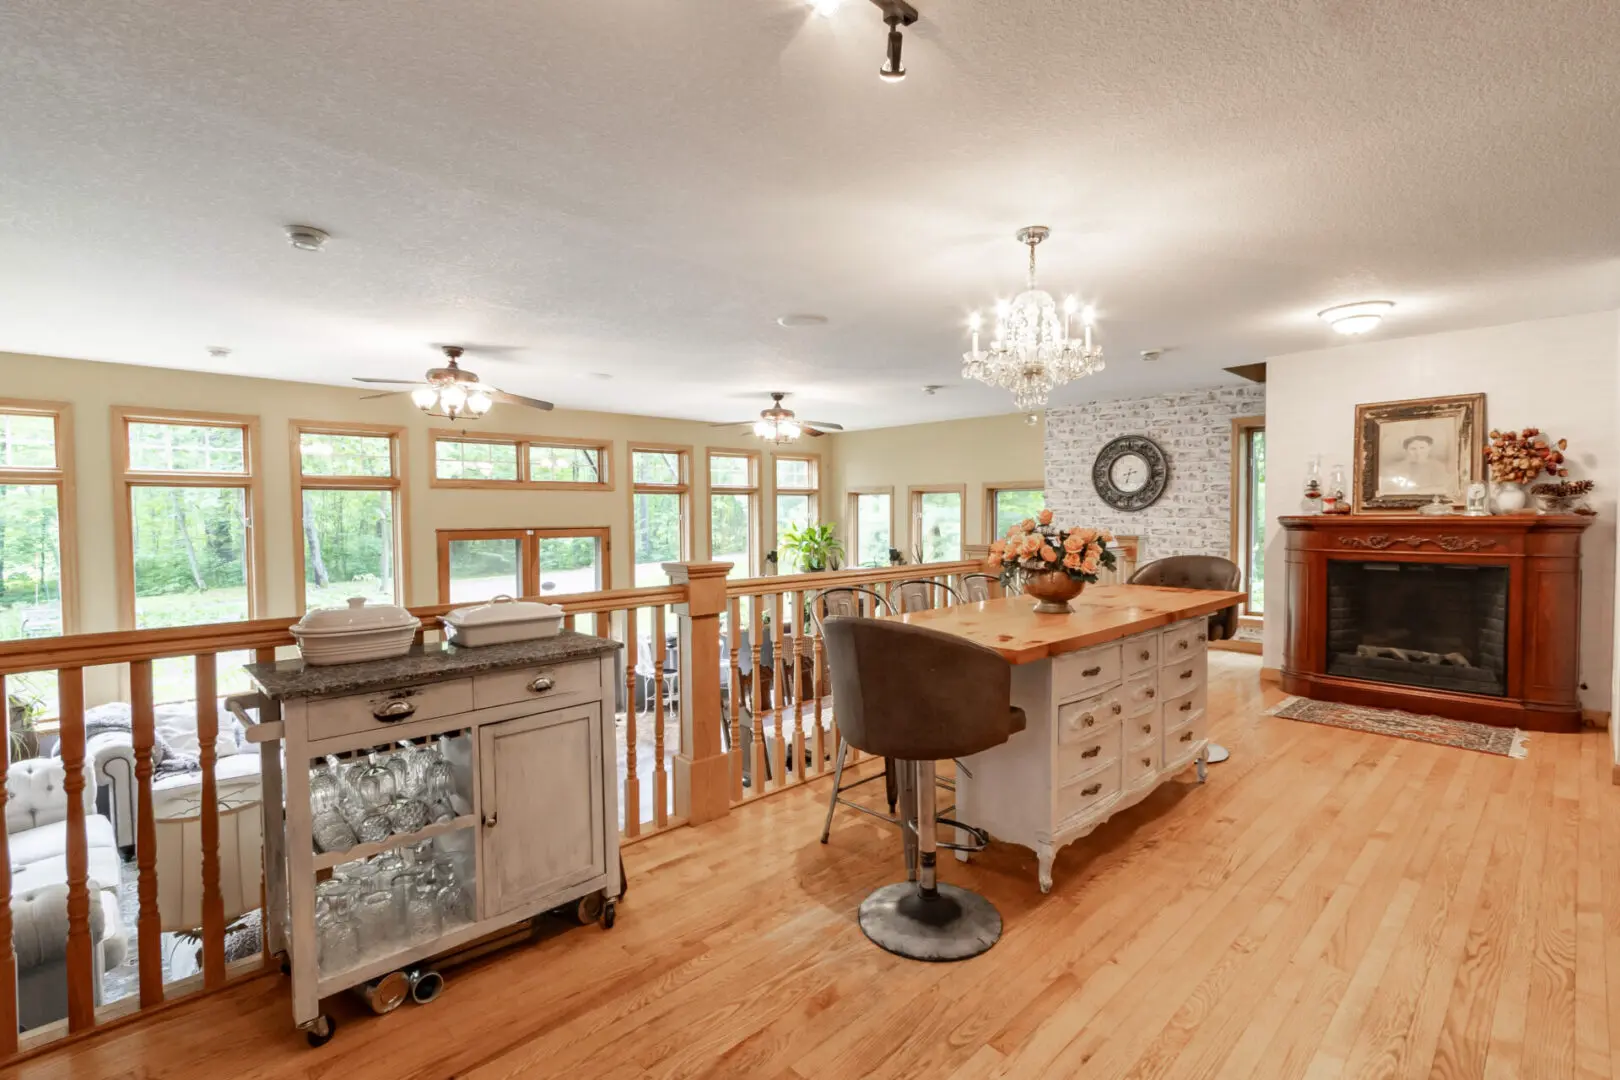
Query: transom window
[
  {"x": 348, "y": 539},
  {"x": 486, "y": 459},
  {"x": 188, "y": 448}
]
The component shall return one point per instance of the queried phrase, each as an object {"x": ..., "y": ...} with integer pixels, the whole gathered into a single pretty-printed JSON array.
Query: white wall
[{"x": 1557, "y": 374}]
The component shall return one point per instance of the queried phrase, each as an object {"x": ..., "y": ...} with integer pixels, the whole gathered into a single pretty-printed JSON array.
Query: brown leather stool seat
[{"x": 918, "y": 696}]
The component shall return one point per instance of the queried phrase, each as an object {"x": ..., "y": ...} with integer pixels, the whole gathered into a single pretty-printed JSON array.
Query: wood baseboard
[
  {"x": 1595, "y": 718},
  {"x": 1271, "y": 675},
  {"x": 1253, "y": 648}
]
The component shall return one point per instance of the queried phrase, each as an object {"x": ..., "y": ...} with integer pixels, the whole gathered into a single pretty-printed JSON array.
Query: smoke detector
[
  {"x": 218, "y": 352},
  {"x": 307, "y": 237},
  {"x": 1151, "y": 355}
]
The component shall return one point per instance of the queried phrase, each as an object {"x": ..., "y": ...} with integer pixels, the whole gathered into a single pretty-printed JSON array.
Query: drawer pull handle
[
  {"x": 1093, "y": 752},
  {"x": 1183, "y": 644},
  {"x": 1088, "y": 720},
  {"x": 1186, "y": 736},
  {"x": 1203, "y": 637},
  {"x": 1089, "y": 790},
  {"x": 1091, "y": 672},
  {"x": 1151, "y": 693},
  {"x": 1146, "y": 655},
  {"x": 1147, "y": 729},
  {"x": 1118, "y": 708},
  {"x": 394, "y": 711},
  {"x": 1147, "y": 763},
  {"x": 490, "y": 820},
  {"x": 542, "y": 684},
  {"x": 1186, "y": 706},
  {"x": 1187, "y": 674}
]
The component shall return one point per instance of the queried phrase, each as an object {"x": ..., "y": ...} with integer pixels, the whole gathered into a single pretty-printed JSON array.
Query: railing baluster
[
  {"x": 149, "y": 933},
  {"x": 568, "y": 621},
  {"x": 81, "y": 965},
  {"x": 813, "y": 628},
  {"x": 779, "y": 685},
  {"x": 213, "y": 904},
  {"x": 660, "y": 652},
  {"x": 756, "y": 612},
  {"x": 632, "y": 782},
  {"x": 8, "y": 954},
  {"x": 270, "y": 796},
  {"x": 800, "y": 641},
  {"x": 734, "y": 639}
]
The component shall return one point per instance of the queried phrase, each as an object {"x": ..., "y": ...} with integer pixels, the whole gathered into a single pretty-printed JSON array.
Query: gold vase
[{"x": 1052, "y": 590}]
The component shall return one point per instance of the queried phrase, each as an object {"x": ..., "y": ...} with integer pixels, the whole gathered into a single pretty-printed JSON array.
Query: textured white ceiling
[{"x": 639, "y": 187}]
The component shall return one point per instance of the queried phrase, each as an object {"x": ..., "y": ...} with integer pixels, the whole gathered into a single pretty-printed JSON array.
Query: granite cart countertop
[{"x": 424, "y": 663}]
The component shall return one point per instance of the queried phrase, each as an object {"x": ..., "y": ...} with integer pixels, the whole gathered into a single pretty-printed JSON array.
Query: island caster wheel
[
  {"x": 624, "y": 882},
  {"x": 588, "y": 908},
  {"x": 609, "y": 911},
  {"x": 320, "y": 1032}
]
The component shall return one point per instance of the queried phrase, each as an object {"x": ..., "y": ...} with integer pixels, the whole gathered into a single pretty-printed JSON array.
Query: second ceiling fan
[{"x": 780, "y": 424}]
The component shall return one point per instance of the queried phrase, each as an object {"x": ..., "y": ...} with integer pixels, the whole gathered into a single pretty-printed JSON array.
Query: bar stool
[{"x": 918, "y": 696}]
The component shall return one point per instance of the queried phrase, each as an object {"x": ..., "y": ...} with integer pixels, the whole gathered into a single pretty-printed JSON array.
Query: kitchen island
[{"x": 1114, "y": 700}]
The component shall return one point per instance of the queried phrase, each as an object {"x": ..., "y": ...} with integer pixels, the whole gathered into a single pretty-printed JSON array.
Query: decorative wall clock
[{"x": 1130, "y": 473}]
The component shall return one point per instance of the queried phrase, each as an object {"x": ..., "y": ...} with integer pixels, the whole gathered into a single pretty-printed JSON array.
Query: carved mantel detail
[{"x": 1383, "y": 541}]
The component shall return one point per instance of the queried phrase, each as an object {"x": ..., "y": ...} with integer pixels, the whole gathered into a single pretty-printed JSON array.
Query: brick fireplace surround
[{"x": 1405, "y": 612}]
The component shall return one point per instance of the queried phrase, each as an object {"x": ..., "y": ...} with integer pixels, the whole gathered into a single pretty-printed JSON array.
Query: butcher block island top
[{"x": 1101, "y": 614}]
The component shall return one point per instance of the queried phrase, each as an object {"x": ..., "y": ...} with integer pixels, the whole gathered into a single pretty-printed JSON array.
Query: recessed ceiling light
[
  {"x": 1357, "y": 318},
  {"x": 307, "y": 237},
  {"x": 801, "y": 320}
]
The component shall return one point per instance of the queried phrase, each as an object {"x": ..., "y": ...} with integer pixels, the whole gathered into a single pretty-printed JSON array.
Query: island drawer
[
  {"x": 1180, "y": 743},
  {"x": 1078, "y": 759},
  {"x": 1183, "y": 640},
  {"x": 328, "y": 718},
  {"x": 1080, "y": 720},
  {"x": 1139, "y": 653},
  {"x": 1144, "y": 728},
  {"x": 545, "y": 683},
  {"x": 1082, "y": 673},
  {"x": 1177, "y": 678},
  {"x": 1180, "y": 711},
  {"x": 1140, "y": 762},
  {"x": 1142, "y": 692},
  {"x": 1078, "y": 796}
]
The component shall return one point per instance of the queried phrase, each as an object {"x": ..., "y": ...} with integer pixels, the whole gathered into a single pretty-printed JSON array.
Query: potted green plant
[{"x": 816, "y": 547}]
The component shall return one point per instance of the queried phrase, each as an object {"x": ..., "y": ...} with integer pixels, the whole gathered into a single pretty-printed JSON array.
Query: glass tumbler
[
  {"x": 375, "y": 784},
  {"x": 336, "y": 935},
  {"x": 374, "y": 827},
  {"x": 407, "y": 815},
  {"x": 332, "y": 833},
  {"x": 422, "y": 910},
  {"x": 376, "y": 918},
  {"x": 324, "y": 789}
]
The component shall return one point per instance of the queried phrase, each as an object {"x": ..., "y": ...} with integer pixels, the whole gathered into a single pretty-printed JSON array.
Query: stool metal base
[
  {"x": 955, "y": 924},
  {"x": 1217, "y": 754}
]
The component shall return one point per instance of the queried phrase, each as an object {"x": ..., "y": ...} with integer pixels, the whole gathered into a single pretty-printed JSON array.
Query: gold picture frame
[{"x": 1407, "y": 452}]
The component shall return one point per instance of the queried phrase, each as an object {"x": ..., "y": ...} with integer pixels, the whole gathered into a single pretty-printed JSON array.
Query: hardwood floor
[{"x": 1330, "y": 904}]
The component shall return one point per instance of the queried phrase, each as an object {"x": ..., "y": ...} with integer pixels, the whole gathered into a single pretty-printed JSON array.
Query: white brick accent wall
[{"x": 1195, "y": 429}]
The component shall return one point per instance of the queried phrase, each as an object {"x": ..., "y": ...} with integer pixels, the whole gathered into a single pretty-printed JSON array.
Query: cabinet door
[{"x": 541, "y": 786}]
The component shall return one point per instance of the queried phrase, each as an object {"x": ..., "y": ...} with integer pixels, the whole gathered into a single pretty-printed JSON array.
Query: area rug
[{"x": 1463, "y": 734}]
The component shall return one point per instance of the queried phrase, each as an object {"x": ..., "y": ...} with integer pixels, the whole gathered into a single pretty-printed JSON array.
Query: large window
[
  {"x": 481, "y": 564},
  {"x": 660, "y": 479},
  {"x": 734, "y": 510},
  {"x": 486, "y": 459},
  {"x": 938, "y": 522},
  {"x": 1008, "y": 504},
  {"x": 349, "y": 514},
  {"x": 36, "y": 538},
  {"x": 798, "y": 491},
  {"x": 189, "y": 551},
  {"x": 871, "y": 514},
  {"x": 1249, "y": 507}
]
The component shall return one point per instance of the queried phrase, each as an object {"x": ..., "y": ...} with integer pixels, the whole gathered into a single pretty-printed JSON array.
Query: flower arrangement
[
  {"x": 1518, "y": 457},
  {"x": 1035, "y": 546}
]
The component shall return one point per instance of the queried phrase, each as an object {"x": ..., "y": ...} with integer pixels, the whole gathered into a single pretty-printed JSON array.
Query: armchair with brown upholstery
[{"x": 1197, "y": 572}]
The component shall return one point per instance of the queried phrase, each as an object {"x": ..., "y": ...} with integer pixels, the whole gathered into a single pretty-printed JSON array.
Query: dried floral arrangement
[
  {"x": 1564, "y": 489},
  {"x": 1518, "y": 457}
]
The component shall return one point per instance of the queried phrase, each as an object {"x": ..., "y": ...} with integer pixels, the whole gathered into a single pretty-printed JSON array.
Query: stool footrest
[{"x": 980, "y": 841}]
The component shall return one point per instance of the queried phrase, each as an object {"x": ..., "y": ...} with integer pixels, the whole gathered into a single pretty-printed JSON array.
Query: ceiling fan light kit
[
  {"x": 454, "y": 393},
  {"x": 779, "y": 424}
]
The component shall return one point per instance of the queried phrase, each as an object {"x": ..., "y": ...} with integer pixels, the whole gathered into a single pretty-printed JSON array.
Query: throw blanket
[{"x": 116, "y": 716}]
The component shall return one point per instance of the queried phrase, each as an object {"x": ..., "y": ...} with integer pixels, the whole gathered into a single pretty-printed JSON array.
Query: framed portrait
[{"x": 1407, "y": 452}]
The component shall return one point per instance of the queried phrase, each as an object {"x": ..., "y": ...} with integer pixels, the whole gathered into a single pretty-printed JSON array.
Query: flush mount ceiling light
[
  {"x": 1357, "y": 318},
  {"x": 1033, "y": 349},
  {"x": 896, "y": 13},
  {"x": 307, "y": 237}
]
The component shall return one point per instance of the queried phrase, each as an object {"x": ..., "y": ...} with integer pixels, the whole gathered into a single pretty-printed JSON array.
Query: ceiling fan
[
  {"x": 452, "y": 392},
  {"x": 781, "y": 425}
]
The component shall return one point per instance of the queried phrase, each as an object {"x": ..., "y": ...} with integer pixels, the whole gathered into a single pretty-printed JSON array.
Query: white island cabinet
[{"x": 530, "y": 820}]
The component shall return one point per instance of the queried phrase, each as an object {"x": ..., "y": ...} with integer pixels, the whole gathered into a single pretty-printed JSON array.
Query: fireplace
[
  {"x": 1437, "y": 625},
  {"x": 1475, "y": 618}
]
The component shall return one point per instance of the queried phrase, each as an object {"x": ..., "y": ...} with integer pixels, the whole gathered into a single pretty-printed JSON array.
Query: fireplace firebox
[
  {"x": 1437, "y": 625},
  {"x": 1476, "y": 618}
]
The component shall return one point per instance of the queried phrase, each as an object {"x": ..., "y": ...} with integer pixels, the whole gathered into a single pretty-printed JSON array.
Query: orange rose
[
  {"x": 1027, "y": 524},
  {"x": 1086, "y": 535},
  {"x": 1045, "y": 517},
  {"x": 1031, "y": 545},
  {"x": 1089, "y": 565},
  {"x": 1106, "y": 537},
  {"x": 1073, "y": 543},
  {"x": 997, "y": 547},
  {"x": 1047, "y": 554},
  {"x": 1072, "y": 561}
]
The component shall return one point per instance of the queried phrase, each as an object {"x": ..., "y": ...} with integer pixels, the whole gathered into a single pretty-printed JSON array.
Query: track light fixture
[{"x": 896, "y": 13}]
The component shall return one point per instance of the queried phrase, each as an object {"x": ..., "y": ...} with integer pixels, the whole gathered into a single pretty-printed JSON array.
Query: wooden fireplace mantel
[{"x": 1542, "y": 555}]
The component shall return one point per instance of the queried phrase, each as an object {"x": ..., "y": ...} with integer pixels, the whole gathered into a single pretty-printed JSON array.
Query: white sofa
[
  {"x": 236, "y": 768},
  {"x": 36, "y": 815}
]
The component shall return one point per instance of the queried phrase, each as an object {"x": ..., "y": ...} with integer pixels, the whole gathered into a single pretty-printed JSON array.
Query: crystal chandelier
[{"x": 1033, "y": 349}]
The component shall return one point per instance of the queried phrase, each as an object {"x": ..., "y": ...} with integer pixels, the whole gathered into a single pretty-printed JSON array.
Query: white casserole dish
[
  {"x": 358, "y": 632},
  {"x": 501, "y": 621}
]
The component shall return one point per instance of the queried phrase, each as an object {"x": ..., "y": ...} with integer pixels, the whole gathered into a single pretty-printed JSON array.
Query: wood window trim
[
  {"x": 126, "y": 479},
  {"x": 398, "y": 483},
  {"x": 67, "y": 496},
  {"x": 752, "y": 490},
  {"x": 777, "y": 491},
  {"x": 683, "y": 489},
  {"x": 991, "y": 490},
  {"x": 521, "y": 445},
  {"x": 914, "y": 495},
  {"x": 1242, "y": 429},
  {"x": 528, "y": 552},
  {"x": 852, "y": 532}
]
